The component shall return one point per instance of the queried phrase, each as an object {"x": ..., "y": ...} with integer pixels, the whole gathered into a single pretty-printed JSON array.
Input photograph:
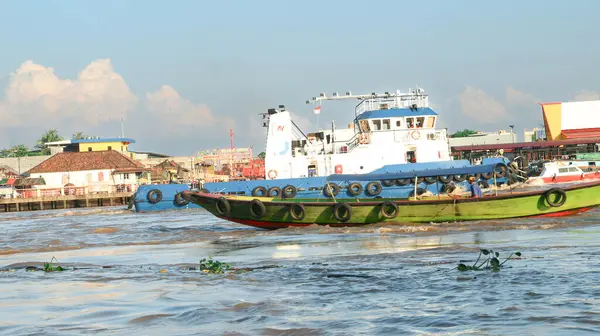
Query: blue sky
[{"x": 181, "y": 73}]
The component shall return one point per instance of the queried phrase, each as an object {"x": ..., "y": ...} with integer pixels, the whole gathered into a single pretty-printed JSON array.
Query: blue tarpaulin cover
[{"x": 472, "y": 170}]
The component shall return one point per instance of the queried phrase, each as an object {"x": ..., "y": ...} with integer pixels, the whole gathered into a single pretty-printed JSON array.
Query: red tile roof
[{"x": 77, "y": 161}]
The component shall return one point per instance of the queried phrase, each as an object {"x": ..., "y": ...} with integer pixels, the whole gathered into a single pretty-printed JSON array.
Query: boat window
[
  {"x": 377, "y": 125},
  {"x": 364, "y": 126},
  {"x": 398, "y": 123},
  {"x": 430, "y": 122},
  {"x": 386, "y": 124},
  {"x": 410, "y": 122},
  {"x": 563, "y": 170},
  {"x": 420, "y": 122},
  {"x": 573, "y": 169}
]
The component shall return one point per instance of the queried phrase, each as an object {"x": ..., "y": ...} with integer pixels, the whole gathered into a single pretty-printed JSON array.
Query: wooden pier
[{"x": 64, "y": 201}]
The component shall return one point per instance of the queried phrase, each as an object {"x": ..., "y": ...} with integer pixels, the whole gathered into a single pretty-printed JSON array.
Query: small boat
[
  {"x": 555, "y": 172},
  {"x": 273, "y": 213}
]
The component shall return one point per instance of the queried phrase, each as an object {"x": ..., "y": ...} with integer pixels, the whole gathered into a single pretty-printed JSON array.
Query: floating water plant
[
  {"x": 49, "y": 268},
  {"x": 213, "y": 266},
  {"x": 491, "y": 263}
]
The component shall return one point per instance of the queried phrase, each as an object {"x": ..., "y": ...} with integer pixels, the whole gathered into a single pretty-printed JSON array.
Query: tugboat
[{"x": 390, "y": 133}]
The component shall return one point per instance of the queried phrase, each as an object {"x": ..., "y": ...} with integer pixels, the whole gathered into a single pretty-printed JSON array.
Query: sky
[{"x": 181, "y": 74}]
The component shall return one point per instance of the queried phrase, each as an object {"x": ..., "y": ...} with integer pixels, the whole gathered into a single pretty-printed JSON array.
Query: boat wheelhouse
[{"x": 388, "y": 128}]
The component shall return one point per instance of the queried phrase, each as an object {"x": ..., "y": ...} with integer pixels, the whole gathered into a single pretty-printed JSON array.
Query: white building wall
[
  {"x": 578, "y": 115},
  {"x": 95, "y": 180}
]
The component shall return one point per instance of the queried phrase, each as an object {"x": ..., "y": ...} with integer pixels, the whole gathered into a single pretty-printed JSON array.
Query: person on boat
[{"x": 475, "y": 189}]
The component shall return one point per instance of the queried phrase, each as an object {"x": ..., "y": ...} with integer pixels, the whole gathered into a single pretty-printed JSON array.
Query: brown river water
[{"x": 132, "y": 274}]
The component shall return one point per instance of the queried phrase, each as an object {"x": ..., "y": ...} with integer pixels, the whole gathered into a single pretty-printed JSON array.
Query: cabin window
[
  {"x": 89, "y": 149},
  {"x": 109, "y": 147},
  {"x": 398, "y": 123},
  {"x": 410, "y": 122},
  {"x": 376, "y": 125},
  {"x": 430, "y": 122},
  {"x": 420, "y": 122},
  {"x": 563, "y": 170},
  {"x": 387, "y": 124},
  {"x": 126, "y": 176},
  {"x": 100, "y": 176},
  {"x": 364, "y": 126},
  {"x": 573, "y": 169}
]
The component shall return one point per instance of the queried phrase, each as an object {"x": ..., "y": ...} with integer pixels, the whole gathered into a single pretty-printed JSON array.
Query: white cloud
[
  {"x": 516, "y": 97},
  {"x": 585, "y": 95},
  {"x": 172, "y": 109},
  {"x": 481, "y": 107},
  {"x": 36, "y": 93}
]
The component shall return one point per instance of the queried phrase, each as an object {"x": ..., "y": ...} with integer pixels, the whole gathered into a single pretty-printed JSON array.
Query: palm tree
[
  {"x": 50, "y": 135},
  {"x": 78, "y": 136}
]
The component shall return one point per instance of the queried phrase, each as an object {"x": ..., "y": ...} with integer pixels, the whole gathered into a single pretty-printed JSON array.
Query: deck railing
[{"x": 70, "y": 191}]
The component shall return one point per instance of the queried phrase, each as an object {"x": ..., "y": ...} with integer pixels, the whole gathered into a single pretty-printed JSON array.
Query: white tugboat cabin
[{"x": 389, "y": 128}]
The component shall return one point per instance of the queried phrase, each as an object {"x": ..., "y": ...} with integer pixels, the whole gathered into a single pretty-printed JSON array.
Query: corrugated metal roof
[{"x": 537, "y": 144}]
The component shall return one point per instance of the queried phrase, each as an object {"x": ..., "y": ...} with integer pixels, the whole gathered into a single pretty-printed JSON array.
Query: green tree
[
  {"x": 463, "y": 134},
  {"x": 50, "y": 135},
  {"x": 262, "y": 155},
  {"x": 19, "y": 150},
  {"x": 5, "y": 152},
  {"x": 78, "y": 136}
]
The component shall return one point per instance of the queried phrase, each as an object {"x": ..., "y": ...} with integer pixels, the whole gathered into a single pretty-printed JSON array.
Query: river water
[{"x": 133, "y": 274}]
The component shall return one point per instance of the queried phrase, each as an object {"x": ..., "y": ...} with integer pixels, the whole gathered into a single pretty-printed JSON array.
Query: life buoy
[
  {"x": 389, "y": 210},
  {"x": 561, "y": 197},
  {"x": 154, "y": 196},
  {"x": 272, "y": 174},
  {"x": 180, "y": 201},
  {"x": 342, "y": 212},
  {"x": 416, "y": 135},
  {"x": 297, "y": 211},
  {"x": 257, "y": 209},
  {"x": 339, "y": 169}
]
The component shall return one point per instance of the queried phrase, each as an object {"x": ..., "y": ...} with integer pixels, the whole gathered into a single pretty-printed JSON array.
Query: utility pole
[
  {"x": 512, "y": 132},
  {"x": 231, "y": 174},
  {"x": 122, "y": 129}
]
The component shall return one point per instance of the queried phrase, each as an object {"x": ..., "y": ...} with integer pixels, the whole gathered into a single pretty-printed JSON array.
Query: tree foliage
[
  {"x": 19, "y": 150},
  {"x": 262, "y": 155},
  {"x": 463, "y": 134},
  {"x": 78, "y": 136},
  {"x": 50, "y": 135}
]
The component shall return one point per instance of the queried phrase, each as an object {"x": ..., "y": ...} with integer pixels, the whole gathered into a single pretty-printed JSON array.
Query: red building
[{"x": 254, "y": 170}]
